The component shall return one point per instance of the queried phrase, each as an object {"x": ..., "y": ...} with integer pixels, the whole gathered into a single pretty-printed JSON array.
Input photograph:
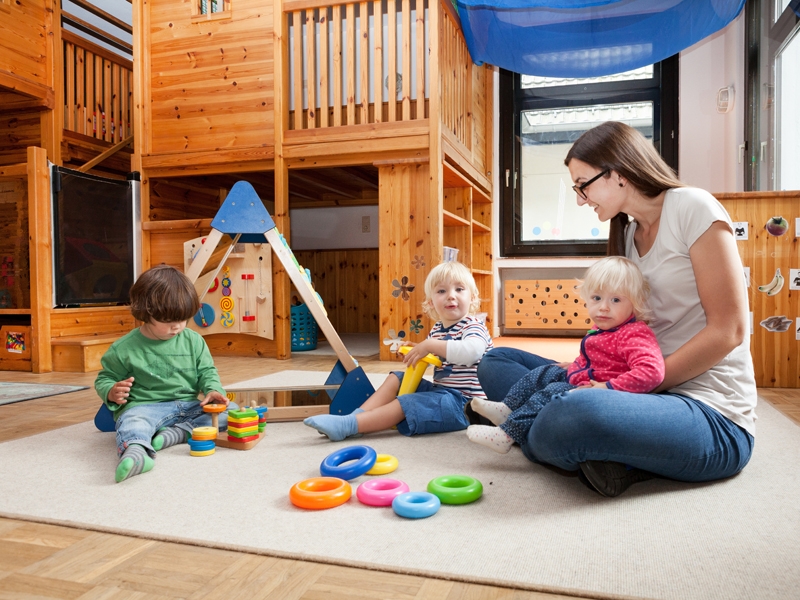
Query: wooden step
[{"x": 81, "y": 353}]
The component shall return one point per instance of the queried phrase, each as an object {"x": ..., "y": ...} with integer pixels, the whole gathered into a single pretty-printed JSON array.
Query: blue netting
[{"x": 587, "y": 38}]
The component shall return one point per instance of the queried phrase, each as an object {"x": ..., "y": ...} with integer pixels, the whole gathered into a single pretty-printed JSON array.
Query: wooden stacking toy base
[{"x": 224, "y": 442}]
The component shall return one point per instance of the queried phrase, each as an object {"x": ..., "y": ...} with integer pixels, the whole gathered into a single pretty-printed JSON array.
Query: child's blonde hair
[
  {"x": 618, "y": 275},
  {"x": 445, "y": 272}
]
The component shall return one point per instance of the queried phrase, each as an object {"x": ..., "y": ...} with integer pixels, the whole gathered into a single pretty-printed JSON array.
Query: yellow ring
[
  {"x": 385, "y": 463},
  {"x": 204, "y": 433},
  {"x": 202, "y": 452}
]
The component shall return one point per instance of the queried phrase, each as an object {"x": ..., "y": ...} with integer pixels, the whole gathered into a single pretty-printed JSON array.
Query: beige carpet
[{"x": 532, "y": 529}]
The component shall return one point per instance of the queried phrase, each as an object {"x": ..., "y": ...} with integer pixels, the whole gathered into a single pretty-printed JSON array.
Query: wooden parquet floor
[{"x": 45, "y": 561}]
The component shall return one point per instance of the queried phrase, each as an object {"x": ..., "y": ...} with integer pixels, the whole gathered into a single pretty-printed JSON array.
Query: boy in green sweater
[{"x": 152, "y": 377}]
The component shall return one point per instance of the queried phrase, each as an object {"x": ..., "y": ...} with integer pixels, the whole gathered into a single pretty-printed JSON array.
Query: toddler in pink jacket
[{"x": 619, "y": 353}]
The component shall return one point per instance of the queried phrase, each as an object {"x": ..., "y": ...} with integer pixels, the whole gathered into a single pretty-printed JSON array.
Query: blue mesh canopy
[{"x": 587, "y": 38}]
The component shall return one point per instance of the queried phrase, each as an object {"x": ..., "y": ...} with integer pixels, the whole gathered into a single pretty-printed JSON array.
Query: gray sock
[
  {"x": 133, "y": 461},
  {"x": 169, "y": 436}
]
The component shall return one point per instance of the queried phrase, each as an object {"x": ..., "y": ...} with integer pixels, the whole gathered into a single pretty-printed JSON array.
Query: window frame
[{"x": 662, "y": 90}]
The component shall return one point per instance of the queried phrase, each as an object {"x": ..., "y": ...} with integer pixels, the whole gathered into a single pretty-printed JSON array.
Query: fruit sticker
[
  {"x": 773, "y": 287},
  {"x": 777, "y": 226},
  {"x": 776, "y": 324},
  {"x": 794, "y": 279}
]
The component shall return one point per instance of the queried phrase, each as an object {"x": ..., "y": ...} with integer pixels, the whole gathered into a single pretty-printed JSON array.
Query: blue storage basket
[{"x": 304, "y": 329}]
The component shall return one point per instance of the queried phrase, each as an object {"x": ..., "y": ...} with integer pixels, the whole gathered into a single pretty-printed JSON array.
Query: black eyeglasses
[{"x": 579, "y": 188}]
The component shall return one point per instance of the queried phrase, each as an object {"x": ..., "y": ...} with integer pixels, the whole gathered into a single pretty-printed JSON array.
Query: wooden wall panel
[
  {"x": 23, "y": 43},
  {"x": 776, "y": 354},
  {"x": 410, "y": 226},
  {"x": 14, "y": 252},
  {"x": 175, "y": 201},
  {"x": 347, "y": 281},
  {"x": 212, "y": 80},
  {"x": 17, "y": 132},
  {"x": 66, "y": 322}
]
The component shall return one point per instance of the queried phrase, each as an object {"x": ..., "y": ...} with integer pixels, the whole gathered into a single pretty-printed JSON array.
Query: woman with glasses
[{"x": 698, "y": 425}]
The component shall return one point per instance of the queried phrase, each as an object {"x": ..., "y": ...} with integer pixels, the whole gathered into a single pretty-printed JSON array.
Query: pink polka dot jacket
[{"x": 626, "y": 358}]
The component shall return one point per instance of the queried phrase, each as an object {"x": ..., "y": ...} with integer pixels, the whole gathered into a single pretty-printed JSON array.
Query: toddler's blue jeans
[
  {"x": 668, "y": 434},
  {"x": 138, "y": 424}
]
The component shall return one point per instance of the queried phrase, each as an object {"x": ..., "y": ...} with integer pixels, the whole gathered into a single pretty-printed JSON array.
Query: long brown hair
[{"x": 619, "y": 147}]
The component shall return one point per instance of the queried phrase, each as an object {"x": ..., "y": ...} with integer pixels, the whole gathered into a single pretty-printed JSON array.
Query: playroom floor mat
[
  {"x": 532, "y": 529},
  {"x": 19, "y": 392}
]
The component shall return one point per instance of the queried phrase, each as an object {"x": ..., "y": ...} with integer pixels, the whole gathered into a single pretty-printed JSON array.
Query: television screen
[{"x": 93, "y": 239}]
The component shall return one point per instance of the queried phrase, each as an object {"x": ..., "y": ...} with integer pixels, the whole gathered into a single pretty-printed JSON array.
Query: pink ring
[{"x": 380, "y": 492}]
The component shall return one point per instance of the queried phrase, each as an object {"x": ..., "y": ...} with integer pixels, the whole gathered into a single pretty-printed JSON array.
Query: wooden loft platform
[
  {"x": 210, "y": 99},
  {"x": 234, "y": 94}
]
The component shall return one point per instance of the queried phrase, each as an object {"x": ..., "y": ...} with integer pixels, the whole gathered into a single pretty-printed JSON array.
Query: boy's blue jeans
[
  {"x": 138, "y": 424},
  {"x": 668, "y": 434}
]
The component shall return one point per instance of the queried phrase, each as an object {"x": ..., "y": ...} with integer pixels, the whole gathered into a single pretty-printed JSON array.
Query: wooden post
[{"x": 41, "y": 259}]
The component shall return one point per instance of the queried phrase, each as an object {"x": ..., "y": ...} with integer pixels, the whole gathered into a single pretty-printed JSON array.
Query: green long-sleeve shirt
[{"x": 163, "y": 370}]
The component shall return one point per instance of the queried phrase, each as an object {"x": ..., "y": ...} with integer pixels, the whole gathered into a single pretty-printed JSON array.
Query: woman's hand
[
  {"x": 119, "y": 392},
  {"x": 214, "y": 397}
]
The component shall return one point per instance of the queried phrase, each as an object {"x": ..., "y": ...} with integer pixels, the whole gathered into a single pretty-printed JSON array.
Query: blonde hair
[
  {"x": 449, "y": 271},
  {"x": 618, "y": 275}
]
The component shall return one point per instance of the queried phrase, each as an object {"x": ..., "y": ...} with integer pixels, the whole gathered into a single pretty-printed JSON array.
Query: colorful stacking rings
[
  {"x": 204, "y": 433},
  {"x": 360, "y": 459},
  {"x": 213, "y": 407},
  {"x": 380, "y": 492},
  {"x": 456, "y": 489},
  {"x": 416, "y": 505},
  {"x": 320, "y": 492},
  {"x": 384, "y": 464}
]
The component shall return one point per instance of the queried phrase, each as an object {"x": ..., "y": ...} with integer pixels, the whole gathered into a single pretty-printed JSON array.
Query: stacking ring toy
[
  {"x": 202, "y": 452},
  {"x": 204, "y": 433},
  {"x": 320, "y": 492},
  {"x": 202, "y": 445},
  {"x": 360, "y": 459},
  {"x": 213, "y": 407},
  {"x": 416, "y": 505},
  {"x": 380, "y": 492},
  {"x": 384, "y": 463},
  {"x": 456, "y": 489}
]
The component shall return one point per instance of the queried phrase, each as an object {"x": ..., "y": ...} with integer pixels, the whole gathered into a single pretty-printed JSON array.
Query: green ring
[{"x": 456, "y": 489}]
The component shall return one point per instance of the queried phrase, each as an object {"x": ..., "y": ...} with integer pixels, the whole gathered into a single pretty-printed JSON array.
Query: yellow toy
[{"x": 413, "y": 375}]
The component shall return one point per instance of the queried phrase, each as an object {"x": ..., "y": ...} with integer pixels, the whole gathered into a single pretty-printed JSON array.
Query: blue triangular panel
[
  {"x": 589, "y": 38},
  {"x": 243, "y": 212}
]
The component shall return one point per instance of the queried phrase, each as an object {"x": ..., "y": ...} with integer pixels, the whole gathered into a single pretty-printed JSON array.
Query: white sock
[
  {"x": 496, "y": 412},
  {"x": 491, "y": 437}
]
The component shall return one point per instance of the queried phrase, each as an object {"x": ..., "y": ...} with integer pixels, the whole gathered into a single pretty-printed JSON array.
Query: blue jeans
[
  {"x": 138, "y": 424},
  {"x": 432, "y": 409},
  {"x": 667, "y": 434}
]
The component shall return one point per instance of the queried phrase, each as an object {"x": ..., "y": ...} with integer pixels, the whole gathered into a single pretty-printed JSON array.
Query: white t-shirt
[{"x": 729, "y": 387}]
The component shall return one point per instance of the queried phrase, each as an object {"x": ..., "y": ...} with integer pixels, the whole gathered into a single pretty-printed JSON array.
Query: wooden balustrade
[
  {"x": 456, "y": 80},
  {"x": 360, "y": 73},
  {"x": 98, "y": 90}
]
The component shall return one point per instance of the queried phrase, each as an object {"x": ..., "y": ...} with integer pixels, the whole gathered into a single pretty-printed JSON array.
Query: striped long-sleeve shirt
[{"x": 461, "y": 377}]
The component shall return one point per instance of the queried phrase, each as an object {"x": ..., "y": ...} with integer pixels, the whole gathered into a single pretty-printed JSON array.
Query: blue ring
[
  {"x": 364, "y": 458},
  {"x": 416, "y": 505},
  {"x": 201, "y": 445}
]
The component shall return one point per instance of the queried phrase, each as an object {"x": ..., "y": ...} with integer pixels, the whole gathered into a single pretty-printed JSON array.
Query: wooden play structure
[{"x": 316, "y": 104}]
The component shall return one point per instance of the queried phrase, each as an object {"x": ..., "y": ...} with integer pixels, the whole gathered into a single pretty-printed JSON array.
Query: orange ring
[
  {"x": 214, "y": 407},
  {"x": 320, "y": 492}
]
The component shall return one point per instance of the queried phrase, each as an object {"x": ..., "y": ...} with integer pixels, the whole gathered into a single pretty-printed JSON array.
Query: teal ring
[
  {"x": 456, "y": 489},
  {"x": 416, "y": 505}
]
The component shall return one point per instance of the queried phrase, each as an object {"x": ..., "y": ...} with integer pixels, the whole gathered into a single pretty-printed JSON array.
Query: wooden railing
[
  {"x": 359, "y": 73},
  {"x": 456, "y": 79},
  {"x": 98, "y": 90}
]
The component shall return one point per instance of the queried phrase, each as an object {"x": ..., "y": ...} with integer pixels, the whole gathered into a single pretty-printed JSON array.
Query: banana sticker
[{"x": 774, "y": 286}]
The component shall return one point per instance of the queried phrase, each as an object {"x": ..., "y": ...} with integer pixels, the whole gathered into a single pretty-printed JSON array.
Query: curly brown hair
[{"x": 163, "y": 294}]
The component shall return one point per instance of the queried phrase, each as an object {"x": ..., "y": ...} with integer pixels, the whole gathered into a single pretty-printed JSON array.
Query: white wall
[
  {"x": 708, "y": 152},
  {"x": 333, "y": 228}
]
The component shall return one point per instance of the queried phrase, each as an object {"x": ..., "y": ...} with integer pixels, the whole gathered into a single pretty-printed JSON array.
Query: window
[
  {"x": 772, "y": 123},
  {"x": 540, "y": 118}
]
